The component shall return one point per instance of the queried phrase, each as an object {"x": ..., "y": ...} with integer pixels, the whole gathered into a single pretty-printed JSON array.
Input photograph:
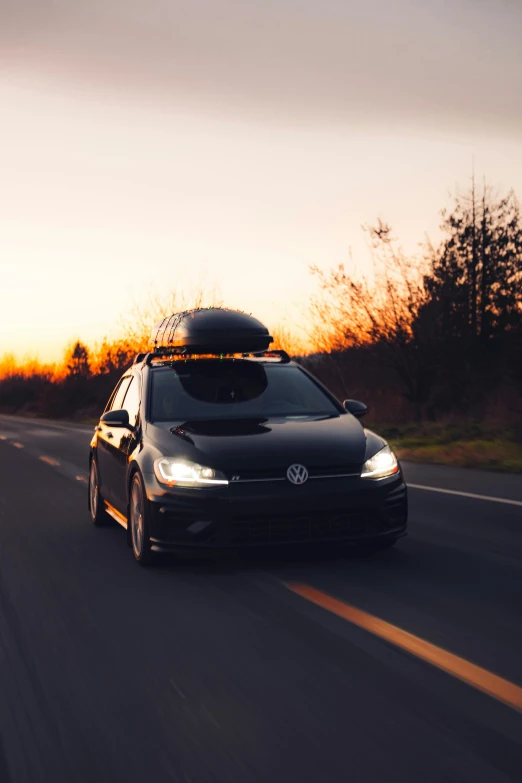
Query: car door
[
  {"x": 106, "y": 442},
  {"x": 124, "y": 442}
]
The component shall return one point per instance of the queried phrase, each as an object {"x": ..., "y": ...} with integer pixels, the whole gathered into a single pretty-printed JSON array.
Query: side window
[
  {"x": 131, "y": 402},
  {"x": 117, "y": 400}
]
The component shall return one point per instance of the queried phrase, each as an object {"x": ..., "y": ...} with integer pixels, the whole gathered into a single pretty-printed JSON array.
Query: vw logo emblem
[{"x": 297, "y": 474}]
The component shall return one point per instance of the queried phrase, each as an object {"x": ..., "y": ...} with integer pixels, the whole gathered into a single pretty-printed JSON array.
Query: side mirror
[
  {"x": 356, "y": 408},
  {"x": 116, "y": 418}
]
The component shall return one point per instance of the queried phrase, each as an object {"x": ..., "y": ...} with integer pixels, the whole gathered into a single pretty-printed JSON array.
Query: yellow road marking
[
  {"x": 18, "y": 445},
  {"x": 479, "y": 678},
  {"x": 81, "y": 478},
  {"x": 49, "y": 460}
]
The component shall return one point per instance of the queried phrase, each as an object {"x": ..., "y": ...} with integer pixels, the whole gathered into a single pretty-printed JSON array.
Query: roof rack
[
  {"x": 182, "y": 355},
  {"x": 262, "y": 356}
]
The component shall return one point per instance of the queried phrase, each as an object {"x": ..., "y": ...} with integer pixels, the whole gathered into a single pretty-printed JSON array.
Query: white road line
[
  {"x": 466, "y": 494},
  {"x": 49, "y": 460}
]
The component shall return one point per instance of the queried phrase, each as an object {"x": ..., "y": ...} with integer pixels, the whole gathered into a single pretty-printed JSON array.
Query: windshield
[{"x": 209, "y": 389}]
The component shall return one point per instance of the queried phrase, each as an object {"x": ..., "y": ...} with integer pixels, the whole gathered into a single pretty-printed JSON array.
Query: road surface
[{"x": 228, "y": 669}]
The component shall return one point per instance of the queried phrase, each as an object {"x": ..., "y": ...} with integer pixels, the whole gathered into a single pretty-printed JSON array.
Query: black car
[{"x": 210, "y": 440}]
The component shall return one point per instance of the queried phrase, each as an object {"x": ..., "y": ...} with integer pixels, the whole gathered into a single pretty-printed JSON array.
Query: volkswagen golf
[{"x": 211, "y": 440}]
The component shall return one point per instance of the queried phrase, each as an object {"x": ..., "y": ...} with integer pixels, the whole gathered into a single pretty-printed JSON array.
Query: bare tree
[
  {"x": 373, "y": 317},
  {"x": 355, "y": 311},
  {"x": 136, "y": 324},
  {"x": 288, "y": 341}
]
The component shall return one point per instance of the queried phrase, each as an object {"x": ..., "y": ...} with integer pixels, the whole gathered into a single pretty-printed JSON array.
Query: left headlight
[
  {"x": 182, "y": 473},
  {"x": 382, "y": 464}
]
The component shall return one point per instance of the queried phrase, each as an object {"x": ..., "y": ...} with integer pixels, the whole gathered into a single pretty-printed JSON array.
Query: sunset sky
[{"x": 149, "y": 143}]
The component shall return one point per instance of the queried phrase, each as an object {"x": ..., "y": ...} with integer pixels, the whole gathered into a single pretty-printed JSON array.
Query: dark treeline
[
  {"x": 435, "y": 337},
  {"x": 80, "y": 387},
  {"x": 78, "y": 390}
]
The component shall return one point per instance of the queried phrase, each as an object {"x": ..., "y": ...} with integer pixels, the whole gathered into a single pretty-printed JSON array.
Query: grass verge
[{"x": 467, "y": 445}]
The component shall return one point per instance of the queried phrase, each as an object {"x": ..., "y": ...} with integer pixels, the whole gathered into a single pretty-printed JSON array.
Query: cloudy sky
[{"x": 144, "y": 143}]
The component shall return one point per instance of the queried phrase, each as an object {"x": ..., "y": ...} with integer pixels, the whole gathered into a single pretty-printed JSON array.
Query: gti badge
[{"x": 297, "y": 474}]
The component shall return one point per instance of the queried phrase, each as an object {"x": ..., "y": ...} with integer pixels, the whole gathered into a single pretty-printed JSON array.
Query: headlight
[
  {"x": 382, "y": 464},
  {"x": 181, "y": 473}
]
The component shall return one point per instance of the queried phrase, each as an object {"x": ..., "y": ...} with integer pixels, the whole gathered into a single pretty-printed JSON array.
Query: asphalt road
[{"x": 214, "y": 671}]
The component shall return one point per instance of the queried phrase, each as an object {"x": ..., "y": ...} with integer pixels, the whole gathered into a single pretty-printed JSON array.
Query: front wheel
[
  {"x": 139, "y": 522},
  {"x": 99, "y": 516}
]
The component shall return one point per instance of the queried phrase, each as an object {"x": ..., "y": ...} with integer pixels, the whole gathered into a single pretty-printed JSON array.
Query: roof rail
[
  {"x": 177, "y": 355},
  {"x": 268, "y": 354}
]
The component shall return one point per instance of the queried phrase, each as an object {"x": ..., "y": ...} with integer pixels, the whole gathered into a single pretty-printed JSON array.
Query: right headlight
[{"x": 382, "y": 464}]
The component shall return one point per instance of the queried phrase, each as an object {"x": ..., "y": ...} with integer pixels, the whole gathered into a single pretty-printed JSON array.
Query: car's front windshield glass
[{"x": 210, "y": 389}]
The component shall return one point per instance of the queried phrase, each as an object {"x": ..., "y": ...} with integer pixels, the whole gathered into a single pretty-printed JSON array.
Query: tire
[
  {"x": 99, "y": 516},
  {"x": 139, "y": 522}
]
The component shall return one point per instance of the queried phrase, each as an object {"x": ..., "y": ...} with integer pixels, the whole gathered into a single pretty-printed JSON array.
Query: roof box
[{"x": 214, "y": 330}]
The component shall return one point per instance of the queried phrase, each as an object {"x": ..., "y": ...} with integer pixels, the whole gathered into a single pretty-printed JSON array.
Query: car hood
[{"x": 241, "y": 445}]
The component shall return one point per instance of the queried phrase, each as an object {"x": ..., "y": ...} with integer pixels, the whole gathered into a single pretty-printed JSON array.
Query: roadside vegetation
[
  {"x": 465, "y": 444},
  {"x": 432, "y": 343}
]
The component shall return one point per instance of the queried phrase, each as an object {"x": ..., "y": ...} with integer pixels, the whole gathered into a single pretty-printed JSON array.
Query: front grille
[
  {"x": 259, "y": 475},
  {"x": 326, "y": 527},
  {"x": 334, "y": 470},
  {"x": 314, "y": 471},
  {"x": 229, "y": 525}
]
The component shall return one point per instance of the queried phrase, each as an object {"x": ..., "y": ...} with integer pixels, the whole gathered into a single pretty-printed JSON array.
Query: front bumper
[{"x": 348, "y": 510}]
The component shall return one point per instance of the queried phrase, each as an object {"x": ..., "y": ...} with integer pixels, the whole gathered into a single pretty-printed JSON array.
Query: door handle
[{"x": 110, "y": 435}]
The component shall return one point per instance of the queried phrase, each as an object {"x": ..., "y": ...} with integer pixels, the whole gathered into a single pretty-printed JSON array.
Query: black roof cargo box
[{"x": 213, "y": 330}]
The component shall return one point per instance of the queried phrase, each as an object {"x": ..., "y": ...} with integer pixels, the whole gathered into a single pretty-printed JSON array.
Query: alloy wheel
[
  {"x": 93, "y": 490},
  {"x": 136, "y": 519}
]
